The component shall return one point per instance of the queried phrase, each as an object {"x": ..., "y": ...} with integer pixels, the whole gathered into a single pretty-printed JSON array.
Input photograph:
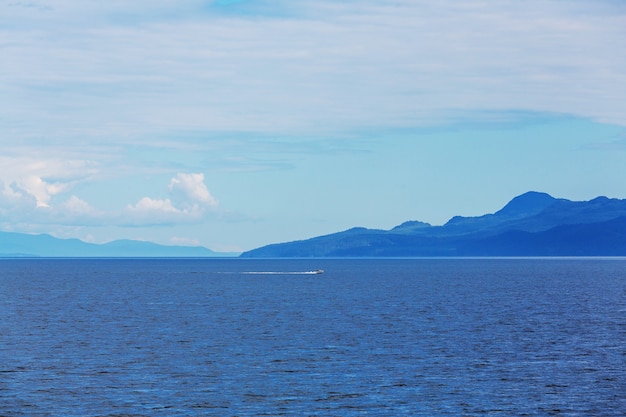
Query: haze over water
[{"x": 414, "y": 337}]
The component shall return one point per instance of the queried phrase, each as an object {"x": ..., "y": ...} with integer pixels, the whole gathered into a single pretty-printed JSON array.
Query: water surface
[{"x": 414, "y": 337}]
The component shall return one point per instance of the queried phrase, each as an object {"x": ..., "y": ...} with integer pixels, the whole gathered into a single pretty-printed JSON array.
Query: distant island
[
  {"x": 532, "y": 224},
  {"x": 20, "y": 245}
]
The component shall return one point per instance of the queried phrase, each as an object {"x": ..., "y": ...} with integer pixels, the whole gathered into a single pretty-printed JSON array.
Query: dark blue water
[{"x": 368, "y": 337}]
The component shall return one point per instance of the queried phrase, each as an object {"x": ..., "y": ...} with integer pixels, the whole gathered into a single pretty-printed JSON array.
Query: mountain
[
  {"x": 25, "y": 245},
  {"x": 532, "y": 224}
]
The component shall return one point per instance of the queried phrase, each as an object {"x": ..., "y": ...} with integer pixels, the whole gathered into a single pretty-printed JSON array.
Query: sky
[{"x": 234, "y": 124}]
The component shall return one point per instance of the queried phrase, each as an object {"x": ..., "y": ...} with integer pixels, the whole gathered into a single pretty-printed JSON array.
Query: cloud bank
[{"x": 131, "y": 68}]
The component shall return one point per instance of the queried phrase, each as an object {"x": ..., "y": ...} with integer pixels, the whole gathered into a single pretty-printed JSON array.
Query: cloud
[
  {"x": 40, "y": 189},
  {"x": 190, "y": 188},
  {"x": 34, "y": 183},
  {"x": 317, "y": 66},
  {"x": 44, "y": 173},
  {"x": 190, "y": 200},
  {"x": 30, "y": 190},
  {"x": 152, "y": 212},
  {"x": 35, "y": 201},
  {"x": 147, "y": 205},
  {"x": 76, "y": 206},
  {"x": 14, "y": 200}
]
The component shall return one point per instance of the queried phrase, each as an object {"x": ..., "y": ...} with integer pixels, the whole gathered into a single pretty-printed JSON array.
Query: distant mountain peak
[
  {"x": 526, "y": 204},
  {"x": 411, "y": 225}
]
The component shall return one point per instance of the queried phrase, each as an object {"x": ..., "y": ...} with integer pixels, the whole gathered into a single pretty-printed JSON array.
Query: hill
[
  {"x": 25, "y": 245},
  {"x": 532, "y": 224}
]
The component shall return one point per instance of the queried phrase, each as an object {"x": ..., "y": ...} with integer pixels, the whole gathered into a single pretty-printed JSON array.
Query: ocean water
[{"x": 395, "y": 337}]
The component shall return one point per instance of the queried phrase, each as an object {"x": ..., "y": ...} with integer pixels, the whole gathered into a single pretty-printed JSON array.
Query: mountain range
[
  {"x": 26, "y": 245},
  {"x": 532, "y": 224}
]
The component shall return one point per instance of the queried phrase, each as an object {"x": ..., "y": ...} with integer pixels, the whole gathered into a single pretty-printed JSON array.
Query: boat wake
[
  {"x": 313, "y": 272},
  {"x": 316, "y": 272}
]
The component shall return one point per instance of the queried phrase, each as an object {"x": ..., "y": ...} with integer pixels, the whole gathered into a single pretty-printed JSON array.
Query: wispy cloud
[{"x": 326, "y": 65}]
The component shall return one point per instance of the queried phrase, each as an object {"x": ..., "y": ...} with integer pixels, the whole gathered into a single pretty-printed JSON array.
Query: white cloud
[
  {"x": 31, "y": 189},
  {"x": 189, "y": 203},
  {"x": 40, "y": 189},
  {"x": 33, "y": 200},
  {"x": 191, "y": 188},
  {"x": 32, "y": 176}
]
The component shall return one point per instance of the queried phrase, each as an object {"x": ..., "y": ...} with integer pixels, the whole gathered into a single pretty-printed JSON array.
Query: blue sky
[{"x": 237, "y": 123}]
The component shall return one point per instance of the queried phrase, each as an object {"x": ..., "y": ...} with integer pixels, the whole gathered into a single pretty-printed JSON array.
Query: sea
[{"x": 368, "y": 337}]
